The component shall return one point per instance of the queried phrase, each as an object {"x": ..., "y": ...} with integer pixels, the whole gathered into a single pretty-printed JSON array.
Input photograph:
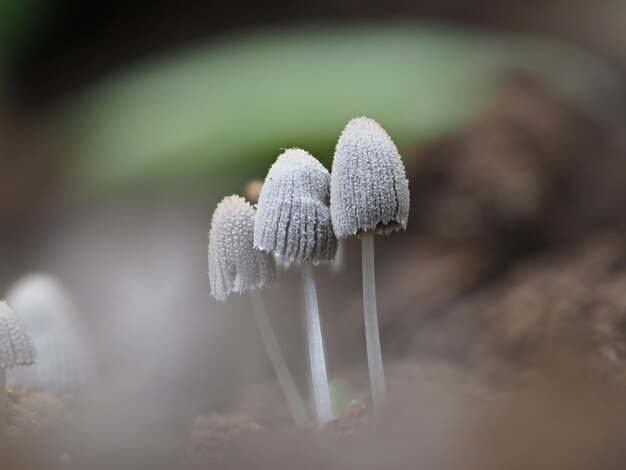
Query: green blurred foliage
[
  {"x": 18, "y": 21},
  {"x": 342, "y": 393},
  {"x": 217, "y": 114}
]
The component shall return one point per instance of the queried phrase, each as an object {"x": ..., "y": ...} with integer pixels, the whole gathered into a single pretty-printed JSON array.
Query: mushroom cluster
[{"x": 301, "y": 213}]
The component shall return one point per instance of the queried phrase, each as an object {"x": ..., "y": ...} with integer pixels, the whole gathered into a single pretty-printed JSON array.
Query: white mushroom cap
[
  {"x": 66, "y": 360},
  {"x": 369, "y": 189},
  {"x": 293, "y": 217},
  {"x": 16, "y": 347},
  {"x": 234, "y": 264}
]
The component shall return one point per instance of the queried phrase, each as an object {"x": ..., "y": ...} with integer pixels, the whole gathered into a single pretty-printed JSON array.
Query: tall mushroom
[
  {"x": 369, "y": 195},
  {"x": 66, "y": 361},
  {"x": 16, "y": 349},
  {"x": 235, "y": 266},
  {"x": 293, "y": 220}
]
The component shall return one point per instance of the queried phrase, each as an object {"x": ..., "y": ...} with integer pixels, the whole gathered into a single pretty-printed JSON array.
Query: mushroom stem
[
  {"x": 3, "y": 403},
  {"x": 317, "y": 358},
  {"x": 287, "y": 383},
  {"x": 372, "y": 335}
]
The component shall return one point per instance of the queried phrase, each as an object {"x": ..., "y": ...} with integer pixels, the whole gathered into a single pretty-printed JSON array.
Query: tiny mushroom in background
[
  {"x": 369, "y": 195},
  {"x": 66, "y": 360},
  {"x": 253, "y": 190},
  {"x": 235, "y": 266},
  {"x": 293, "y": 220},
  {"x": 16, "y": 349}
]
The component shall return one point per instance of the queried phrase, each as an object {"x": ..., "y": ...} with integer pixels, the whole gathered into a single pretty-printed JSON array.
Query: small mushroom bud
[
  {"x": 66, "y": 359},
  {"x": 293, "y": 217},
  {"x": 293, "y": 220},
  {"x": 16, "y": 349},
  {"x": 369, "y": 194},
  {"x": 235, "y": 266},
  {"x": 253, "y": 190}
]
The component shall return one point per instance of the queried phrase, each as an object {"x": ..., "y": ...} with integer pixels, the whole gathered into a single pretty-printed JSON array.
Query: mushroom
[
  {"x": 369, "y": 195},
  {"x": 293, "y": 220},
  {"x": 48, "y": 312},
  {"x": 235, "y": 266},
  {"x": 16, "y": 349}
]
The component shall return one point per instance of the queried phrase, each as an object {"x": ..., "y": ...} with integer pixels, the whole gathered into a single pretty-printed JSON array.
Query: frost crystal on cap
[
  {"x": 66, "y": 360},
  {"x": 234, "y": 264},
  {"x": 293, "y": 217},
  {"x": 369, "y": 189},
  {"x": 16, "y": 347}
]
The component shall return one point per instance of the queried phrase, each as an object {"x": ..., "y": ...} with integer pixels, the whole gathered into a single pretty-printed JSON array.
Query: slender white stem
[
  {"x": 372, "y": 335},
  {"x": 285, "y": 379},
  {"x": 317, "y": 357},
  {"x": 3, "y": 405}
]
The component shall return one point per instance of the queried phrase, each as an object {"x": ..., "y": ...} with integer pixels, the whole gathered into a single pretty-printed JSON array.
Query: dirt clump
[
  {"x": 210, "y": 439},
  {"x": 39, "y": 429}
]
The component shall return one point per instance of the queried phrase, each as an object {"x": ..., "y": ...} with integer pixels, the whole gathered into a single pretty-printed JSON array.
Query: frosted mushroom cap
[
  {"x": 16, "y": 347},
  {"x": 369, "y": 189},
  {"x": 66, "y": 360},
  {"x": 293, "y": 217},
  {"x": 234, "y": 264}
]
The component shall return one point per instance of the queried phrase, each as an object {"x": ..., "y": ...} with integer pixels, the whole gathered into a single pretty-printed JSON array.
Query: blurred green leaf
[
  {"x": 219, "y": 113},
  {"x": 17, "y": 22},
  {"x": 342, "y": 393}
]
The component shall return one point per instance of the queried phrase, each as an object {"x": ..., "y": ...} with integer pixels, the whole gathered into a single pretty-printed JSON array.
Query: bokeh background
[{"x": 122, "y": 124}]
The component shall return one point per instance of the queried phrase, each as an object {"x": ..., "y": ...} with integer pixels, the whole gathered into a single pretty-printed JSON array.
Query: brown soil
[
  {"x": 39, "y": 418},
  {"x": 211, "y": 437}
]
